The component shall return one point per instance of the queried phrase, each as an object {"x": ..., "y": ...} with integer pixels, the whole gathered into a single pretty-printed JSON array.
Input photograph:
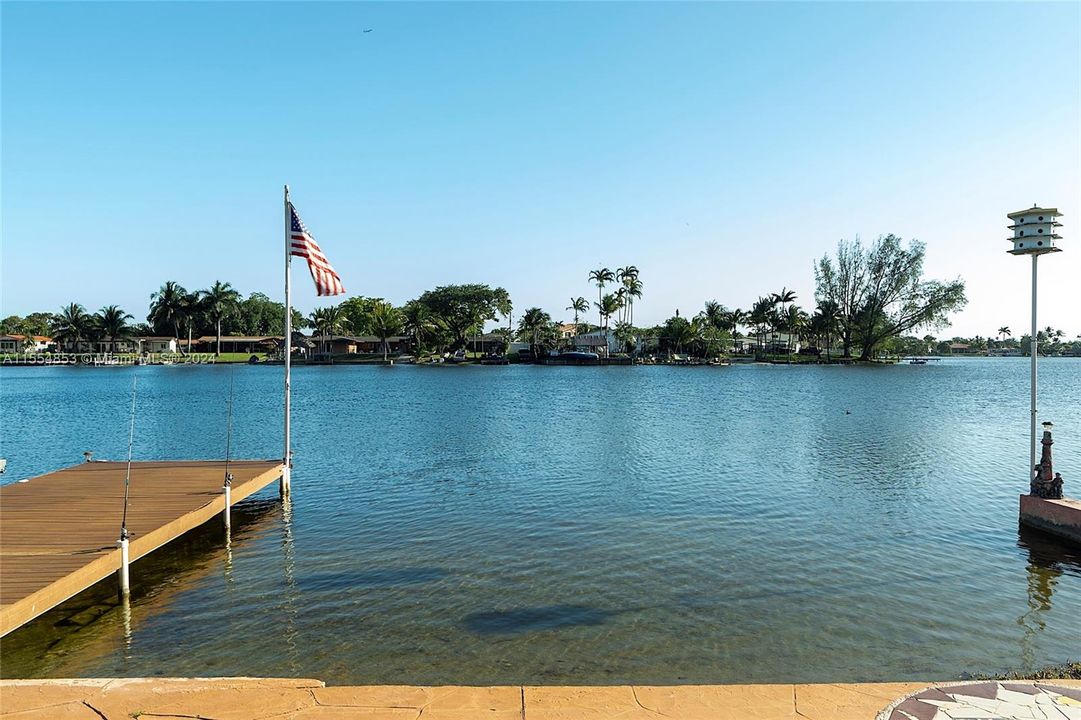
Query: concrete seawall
[{"x": 1059, "y": 517}]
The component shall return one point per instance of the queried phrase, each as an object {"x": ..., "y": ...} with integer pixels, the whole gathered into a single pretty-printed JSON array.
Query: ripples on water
[{"x": 582, "y": 525}]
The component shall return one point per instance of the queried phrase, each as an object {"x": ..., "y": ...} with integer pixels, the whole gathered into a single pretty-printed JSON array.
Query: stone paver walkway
[
  {"x": 989, "y": 701},
  {"x": 256, "y": 699}
]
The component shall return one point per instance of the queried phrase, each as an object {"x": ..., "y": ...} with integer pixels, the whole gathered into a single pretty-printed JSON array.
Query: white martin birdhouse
[{"x": 1035, "y": 231}]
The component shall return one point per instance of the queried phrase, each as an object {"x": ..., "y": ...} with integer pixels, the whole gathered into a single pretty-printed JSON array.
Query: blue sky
[{"x": 719, "y": 147}]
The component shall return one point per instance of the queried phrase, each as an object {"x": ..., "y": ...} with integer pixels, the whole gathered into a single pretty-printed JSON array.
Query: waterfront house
[
  {"x": 23, "y": 343},
  {"x": 358, "y": 344},
  {"x": 487, "y": 344},
  {"x": 237, "y": 343}
]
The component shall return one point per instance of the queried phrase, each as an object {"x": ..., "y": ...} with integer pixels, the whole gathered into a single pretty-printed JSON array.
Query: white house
[{"x": 20, "y": 343}]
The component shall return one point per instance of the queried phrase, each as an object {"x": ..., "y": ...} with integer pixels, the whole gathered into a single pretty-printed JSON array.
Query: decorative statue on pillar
[{"x": 1046, "y": 483}]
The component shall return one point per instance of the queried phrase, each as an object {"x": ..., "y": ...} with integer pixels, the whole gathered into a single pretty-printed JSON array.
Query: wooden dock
[{"x": 59, "y": 531}]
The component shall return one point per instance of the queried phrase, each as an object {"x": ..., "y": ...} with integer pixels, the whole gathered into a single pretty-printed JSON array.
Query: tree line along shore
[{"x": 869, "y": 301}]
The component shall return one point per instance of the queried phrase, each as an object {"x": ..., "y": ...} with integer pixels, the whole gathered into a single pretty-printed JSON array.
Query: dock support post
[
  {"x": 125, "y": 578},
  {"x": 226, "y": 514}
]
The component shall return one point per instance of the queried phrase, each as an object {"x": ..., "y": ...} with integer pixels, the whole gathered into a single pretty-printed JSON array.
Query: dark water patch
[{"x": 536, "y": 619}]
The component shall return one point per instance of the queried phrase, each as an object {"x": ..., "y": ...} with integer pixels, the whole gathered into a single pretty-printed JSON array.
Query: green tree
[
  {"x": 72, "y": 325},
  {"x": 881, "y": 292},
  {"x": 386, "y": 322},
  {"x": 417, "y": 323},
  {"x": 220, "y": 302},
  {"x": 112, "y": 323},
  {"x": 167, "y": 309},
  {"x": 358, "y": 311},
  {"x": 607, "y": 307},
  {"x": 601, "y": 277},
  {"x": 459, "y": 309},
  {"x": 535, "y": 327},
  {"x": 326, "y": 321},
  {"x": 579, "y": 306}
]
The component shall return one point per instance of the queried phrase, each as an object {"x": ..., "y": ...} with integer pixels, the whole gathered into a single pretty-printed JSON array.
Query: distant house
[
  {"x": 358, "y": 344},
  {"x": 598, "y": 341},
  {"x": 22, "y": 343},
  {"x": 568, "y": 330},
  {"x": 958, "y": 348},
  {"x": 154, "y": 344},
  {"x": 237, "y": 344},
  {"x": 488, "y": 343}
]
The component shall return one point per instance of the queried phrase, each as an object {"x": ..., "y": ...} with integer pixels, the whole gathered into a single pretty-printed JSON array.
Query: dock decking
[{"x": 59, "y": 531}]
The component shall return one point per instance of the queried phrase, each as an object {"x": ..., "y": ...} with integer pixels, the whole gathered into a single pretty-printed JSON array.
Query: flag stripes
[{"x": 302, "y": 244}]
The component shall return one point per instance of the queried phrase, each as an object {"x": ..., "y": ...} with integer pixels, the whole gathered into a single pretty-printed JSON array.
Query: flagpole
[{"x": 287, "y": 455}]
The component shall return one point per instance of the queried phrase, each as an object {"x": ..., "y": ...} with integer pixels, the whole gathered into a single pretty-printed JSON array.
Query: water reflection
[
  {"x": 290, "y": 605},
  {"x": 1047, "y": 559}
]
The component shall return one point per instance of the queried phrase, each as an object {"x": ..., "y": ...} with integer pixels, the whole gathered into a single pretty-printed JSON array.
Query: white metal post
[
  {"x": 125, "y": 579},
  {"x": 283, "y": 485},
  {"x": 228, "y": 502},
  {"x": 1033, "y": 347}
]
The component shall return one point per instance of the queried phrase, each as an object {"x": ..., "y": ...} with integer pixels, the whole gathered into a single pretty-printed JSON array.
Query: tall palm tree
[
  {"x": 386, "y": 321},
  {"x": 167, "y": 307},
  {"x": 72, "y": 325},
  {"x": 783, "y": 298},
  {"x": 601, "y": 276},
  {"x": 607, "y": 307},
  {"x": 192, "y": 312},
  {"x": 578, "y": 305},
  {"x": 1003, "y": 332},
  {"x": 633, "y": 287},
  {"x": 112, "y": 322},
  {"x": 220, "y": 302},
  {"x": 627, "y": 276}
]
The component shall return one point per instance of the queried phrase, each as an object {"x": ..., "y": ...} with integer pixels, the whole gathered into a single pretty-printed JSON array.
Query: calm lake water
[{"x": 579, "y": 525}]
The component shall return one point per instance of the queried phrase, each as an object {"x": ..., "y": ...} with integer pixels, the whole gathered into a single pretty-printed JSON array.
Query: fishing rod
[
  {"x": 125, "y": 580},
  {"x": 228, "y": 486}
]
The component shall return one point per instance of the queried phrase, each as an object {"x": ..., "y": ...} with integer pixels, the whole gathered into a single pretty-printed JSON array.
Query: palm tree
[
  {"x": 192, "y": 311},
  {"x": 220, "y": 302},
  {"x": 72, "y": 325},
  {"x": 633, "y": 292},
  {"x": 607, "y": 307},
  {"x": 531, "y": 326},
  {"x": 1003, "y": 332},
  {"x": 713, "y": 314},
  {"x": 761, "y": 317},
  {"x": 386, "y": 321},
  {"x": 828, "y": 316},
  {"x": 167, "y": 307},
  {"x": 601, "y": 276},
  {"x": 328, "y": 321},
  {"x": 628, "y": 277},
  {"x": 795, "y": 321},
  {"x": 417, "y": 321},
  {"x": 578, "y": 305},
  {"x": 783, "y": 298},
  {"x": 112, "y": 322}
]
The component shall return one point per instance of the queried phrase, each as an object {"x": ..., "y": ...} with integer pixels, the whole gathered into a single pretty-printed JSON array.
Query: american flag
[{"x": 302, "y": 244}]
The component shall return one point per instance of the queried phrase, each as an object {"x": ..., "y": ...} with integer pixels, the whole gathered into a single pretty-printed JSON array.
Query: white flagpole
[{"x": 287, "y": 459}]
